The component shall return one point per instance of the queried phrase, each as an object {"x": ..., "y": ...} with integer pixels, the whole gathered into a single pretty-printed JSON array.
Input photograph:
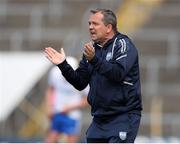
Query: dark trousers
[{"x": 118, "y": 129}]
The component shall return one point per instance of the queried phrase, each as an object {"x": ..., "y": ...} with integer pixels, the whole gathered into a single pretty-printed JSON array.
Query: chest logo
[{"x": 109, "y": 56}]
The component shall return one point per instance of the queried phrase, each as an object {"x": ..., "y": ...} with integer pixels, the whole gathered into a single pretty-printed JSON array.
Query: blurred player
[{"x": 63, "y": 103}]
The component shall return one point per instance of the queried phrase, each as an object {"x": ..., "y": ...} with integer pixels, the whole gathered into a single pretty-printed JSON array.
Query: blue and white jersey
[{"x": 64, "y": 93}]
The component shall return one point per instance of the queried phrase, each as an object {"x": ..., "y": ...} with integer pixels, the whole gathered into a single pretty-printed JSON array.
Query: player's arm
[{"x": 49, "y": 101}]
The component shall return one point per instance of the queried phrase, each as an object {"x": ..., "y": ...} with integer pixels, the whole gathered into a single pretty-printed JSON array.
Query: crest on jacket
[
  {"x": 122, "y": 135},
  {"x": 109, "y": 56}
]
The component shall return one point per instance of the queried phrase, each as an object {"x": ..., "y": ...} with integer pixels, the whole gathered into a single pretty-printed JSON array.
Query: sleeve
[
  {"x": 80, "y": 77},
  {"x": 124, "y": 56}
]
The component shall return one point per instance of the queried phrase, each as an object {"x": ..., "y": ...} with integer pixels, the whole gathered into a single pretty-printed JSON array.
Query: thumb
[{"x": 62, "y": 51}]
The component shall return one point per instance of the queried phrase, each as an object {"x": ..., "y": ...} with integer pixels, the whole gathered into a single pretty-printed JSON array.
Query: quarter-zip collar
[{"x": 110, "y": 41}]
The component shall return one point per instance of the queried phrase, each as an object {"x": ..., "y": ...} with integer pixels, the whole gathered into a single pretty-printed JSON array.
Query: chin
[{"x": 93, "y": 39}]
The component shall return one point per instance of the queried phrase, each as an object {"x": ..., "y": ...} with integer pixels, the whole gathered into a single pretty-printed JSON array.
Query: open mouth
[{"x": 92, "y": 33}]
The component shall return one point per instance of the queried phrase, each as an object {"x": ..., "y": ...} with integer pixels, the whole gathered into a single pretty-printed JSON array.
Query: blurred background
[{"x": 28, "y": 26}]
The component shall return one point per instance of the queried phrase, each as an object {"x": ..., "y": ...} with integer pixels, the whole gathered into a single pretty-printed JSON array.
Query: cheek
[{"x": 102, "y": 31}]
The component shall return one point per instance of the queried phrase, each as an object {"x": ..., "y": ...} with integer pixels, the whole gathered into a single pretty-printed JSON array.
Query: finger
[
  {"x": 91, "y": 43},
  {"x": 62, "y": 51},
  {"x": 53, "y": 50},
  {"x": 49, "y": 51},
  {"x": 85, "y": 53},
  {"x": 87, "y": 49},
  {"x": 92, "y": 48},
  {"x": 46, "y": 52},
  {"x": 48, "y": 57}
]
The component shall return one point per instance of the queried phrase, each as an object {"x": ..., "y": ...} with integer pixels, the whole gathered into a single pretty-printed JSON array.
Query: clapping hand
[
  {"x": 89, "y": 51},
  {"x": 54, "y": 56}
]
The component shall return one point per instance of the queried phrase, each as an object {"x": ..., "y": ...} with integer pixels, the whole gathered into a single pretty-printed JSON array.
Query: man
[
  {"x": 63, "y": 107},
  {"x": 110, "y": 66}
]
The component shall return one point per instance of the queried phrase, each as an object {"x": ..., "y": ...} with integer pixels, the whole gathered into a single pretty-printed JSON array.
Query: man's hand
[
  {"x": 89, "y": 51},
  {"x": 54, "y": 56}
]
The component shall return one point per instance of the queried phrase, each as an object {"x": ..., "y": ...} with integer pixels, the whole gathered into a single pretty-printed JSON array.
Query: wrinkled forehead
[{"x": 96, "y": 17}]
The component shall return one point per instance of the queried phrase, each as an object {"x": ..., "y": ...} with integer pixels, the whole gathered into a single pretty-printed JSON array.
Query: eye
[{"x": 95, "y": 23}]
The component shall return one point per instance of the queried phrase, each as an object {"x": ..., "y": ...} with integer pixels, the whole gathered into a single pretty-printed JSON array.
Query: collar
[{"x": 110, "y": 41}]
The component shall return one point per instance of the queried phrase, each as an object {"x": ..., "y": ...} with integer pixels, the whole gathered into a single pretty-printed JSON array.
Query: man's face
[{"x": 97, "y": 29}]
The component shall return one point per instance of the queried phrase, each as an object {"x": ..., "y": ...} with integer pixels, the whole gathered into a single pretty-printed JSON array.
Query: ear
[{"x": 109, "y": 28}]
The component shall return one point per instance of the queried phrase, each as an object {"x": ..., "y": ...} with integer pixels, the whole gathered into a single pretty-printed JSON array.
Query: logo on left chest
[{"x": 109, "y": 56}]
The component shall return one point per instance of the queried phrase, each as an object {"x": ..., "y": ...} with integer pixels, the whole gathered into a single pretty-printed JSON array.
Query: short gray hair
[{"x": 109, "y": 17}]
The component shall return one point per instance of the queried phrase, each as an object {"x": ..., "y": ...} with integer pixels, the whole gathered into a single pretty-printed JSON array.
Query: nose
[{"x": 90, "y": 26}]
